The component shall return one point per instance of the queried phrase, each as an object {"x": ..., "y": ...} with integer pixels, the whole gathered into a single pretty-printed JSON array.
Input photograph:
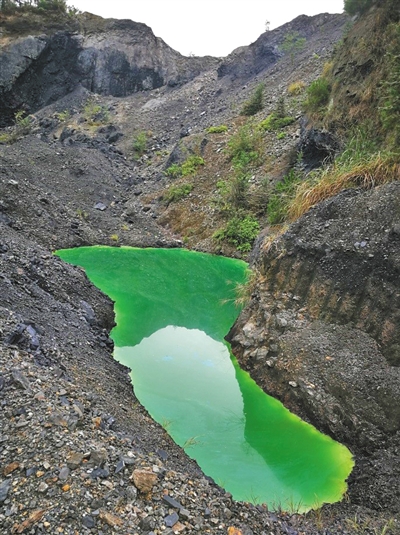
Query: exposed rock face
[
  {"x": 320, "y": 332},
  {"x": 109, "y": 57},
  {"x": 317, "y": 147},
  {"x": 245, "y": 62},
  {"x": 37, "y": 71}
]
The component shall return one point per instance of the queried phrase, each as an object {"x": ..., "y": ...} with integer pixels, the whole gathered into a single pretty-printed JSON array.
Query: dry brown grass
[
  {"x": 380, "y": 169},
  {"x": 270, "y": 242}
]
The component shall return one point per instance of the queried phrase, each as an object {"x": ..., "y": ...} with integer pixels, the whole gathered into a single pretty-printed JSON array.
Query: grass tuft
[{"x": 367, "y": 173}]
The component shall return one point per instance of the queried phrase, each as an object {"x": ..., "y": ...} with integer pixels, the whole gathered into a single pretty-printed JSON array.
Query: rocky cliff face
[
  {"x": 113, "y": 57},
  {"x": 321, "y": 330},
  {"x": 248, "y": 61}
]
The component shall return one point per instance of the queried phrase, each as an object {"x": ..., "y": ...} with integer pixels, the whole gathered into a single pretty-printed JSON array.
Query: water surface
[{"x": 173, "y": 308}]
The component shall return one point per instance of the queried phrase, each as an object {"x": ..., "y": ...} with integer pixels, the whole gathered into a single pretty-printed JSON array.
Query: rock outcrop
[
  {"x": 246, "y": 62},
  {"x": 321, "y": 331},
  {"x": 109, "y": 57}
]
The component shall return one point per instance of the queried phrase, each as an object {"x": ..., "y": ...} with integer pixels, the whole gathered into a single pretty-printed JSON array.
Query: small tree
[
  {"x": 255, "y": 103},
  {"x": 293, "y": 43},
  {"x": 354, "y": 7}
]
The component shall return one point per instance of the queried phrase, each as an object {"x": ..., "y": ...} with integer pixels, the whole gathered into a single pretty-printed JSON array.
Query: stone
[
  {"x": 74, "y": 460},
  {"x": 184, "y": 513},
  {"x": 20, "y": 380},
  {"x": 178, "y": 528},
  {"x": 34, "y": 343},
  {"x": 144, "y": 480},
  {"x": 33, "y": 519},
  {"x": 120, "y": 466},
  {"x": 101, "y": 473},
  {"x": 4, "y": 489},
  {"x": 10, "y": 468},
  {"x": 64, "y": 473},
  {"x": 234, "y": 531},
  {"x": 100, "y": 206},
  {"x": 58, "y": 419},
  {"x": 99, "y": 457},
  {"x": 43, "y": 487},
  {"x": 131, "y": 493},
  {"x": 88, "y": 521},
  {"x": 147, "y": 523},
  {"x": 171, "y": 519},
  {"x": 171, "y": 502},
  {"x": 110, "y": 519}
]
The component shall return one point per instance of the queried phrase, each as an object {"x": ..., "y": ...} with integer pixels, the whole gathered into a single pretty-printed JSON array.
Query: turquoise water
[{"x": 173, "y": 308}]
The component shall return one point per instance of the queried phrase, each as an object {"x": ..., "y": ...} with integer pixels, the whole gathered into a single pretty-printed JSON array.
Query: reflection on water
[
  {"x": 235, "y": 432},
  {"x": 172, "y": 309}
]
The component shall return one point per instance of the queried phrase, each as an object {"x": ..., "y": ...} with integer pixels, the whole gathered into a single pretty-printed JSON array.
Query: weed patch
[
  {"x": 240, "y": 231},
  {"x": 187, "y": 168},
  {"x": 272, "y": 122},
  {"x": 318, "y": 93},
  {"x": 95, "y": 114},
  {"x": 281, "y": 197},
  {"x": 389, "y": 105},
  {"x": 296, "y": 88},
  {"x": 177, "y": 192},
  {"x": 361, "y": 164},
  {"x": 217, "y": 129},
  {"x": 139, "y": 145},
  {"x": 245, "y": 147}
]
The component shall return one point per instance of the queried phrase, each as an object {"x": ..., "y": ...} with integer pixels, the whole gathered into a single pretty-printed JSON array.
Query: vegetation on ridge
[{"x": 9, "y": 6}]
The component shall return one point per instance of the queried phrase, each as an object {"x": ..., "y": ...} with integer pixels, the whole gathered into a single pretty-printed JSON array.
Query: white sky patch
[{"x": 208, "y": 27}]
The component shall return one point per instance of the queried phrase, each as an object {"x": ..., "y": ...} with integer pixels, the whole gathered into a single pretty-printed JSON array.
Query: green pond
[{"x": 173, "y": 308}]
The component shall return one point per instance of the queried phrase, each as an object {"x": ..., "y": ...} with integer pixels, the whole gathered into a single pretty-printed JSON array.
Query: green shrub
[
  {"x": 244, "y": 147},
  {"x": 173, "y": 171},
  {"x": 53, "y": 5},
  {"x": 240, "y": 231},
  {"x": 23, "y": 123},
  {"x": 352, "y": 7},
  {"x": 237, "y": 195},
  {"x": 63, "y": 116},
  {"x": 7, "y": 138},
  {"x": 272, "y": 122},
  {"x": 94, "y": 113},
  {"x": 293, "y": 43},
  {"x": 318, "y": 93},
  {"x": 222, "y": 187},
  {"x": 187, "y": 168},
  {"x": 176, "y": 193},
  {"x": 281, "y": 197},
  {"x": 22, "y": 126},
  {"x": 255, "y": 103},
  {"x": 190, "y": 166},
  {"x": 139, "y": 145},
  {"x": 217, "y": 129}
]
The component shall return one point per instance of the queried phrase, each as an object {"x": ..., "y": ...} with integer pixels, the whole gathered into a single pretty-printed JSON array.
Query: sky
[{"x": 208, "y": 27}]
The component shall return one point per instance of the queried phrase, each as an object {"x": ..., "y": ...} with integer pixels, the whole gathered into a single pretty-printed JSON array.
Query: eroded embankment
[{"x": 320, "y": 332}]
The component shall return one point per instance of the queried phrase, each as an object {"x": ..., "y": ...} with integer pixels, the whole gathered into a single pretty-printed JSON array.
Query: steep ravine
[{"x": 73, "y": 439}]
